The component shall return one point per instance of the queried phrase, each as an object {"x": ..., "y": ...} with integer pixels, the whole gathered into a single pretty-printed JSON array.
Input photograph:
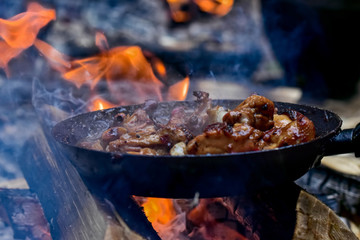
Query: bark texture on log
[
  {"x": 21, "y": 216},
  {"x": 71, "y": 210},
  {"x": 316, "y": 221}
]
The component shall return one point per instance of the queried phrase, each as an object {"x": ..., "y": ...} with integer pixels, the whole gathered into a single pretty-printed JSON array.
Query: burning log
[
  {"x": 210, "y": 219},
  {"x": 21, "y": 211},
  {"x": 295, "y": 215}
]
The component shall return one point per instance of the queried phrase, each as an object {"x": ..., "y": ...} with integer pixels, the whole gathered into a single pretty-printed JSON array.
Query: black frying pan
[{"x": 208, "y": 175}]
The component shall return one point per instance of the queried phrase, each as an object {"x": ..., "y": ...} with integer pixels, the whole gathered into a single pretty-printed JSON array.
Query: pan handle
[{"x": 346, "y": 141}]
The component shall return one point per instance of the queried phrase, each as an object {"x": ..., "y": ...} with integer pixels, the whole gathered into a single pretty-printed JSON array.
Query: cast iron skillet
[{"x": 207, "y": 175}]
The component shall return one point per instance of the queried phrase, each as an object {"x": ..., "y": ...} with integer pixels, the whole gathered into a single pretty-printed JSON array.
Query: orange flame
[
  {"x": 177, "y": 12},
  {"x": 20, "y": 32},
  {"x": 217, "y": 7},
  {"x": 159, "y": 211},
  {"x": 179, "y": 90},
  {"x": 125, "y": 68},
  {"x": 99, "y": 103},
  {"x": 129, "y": 75}
]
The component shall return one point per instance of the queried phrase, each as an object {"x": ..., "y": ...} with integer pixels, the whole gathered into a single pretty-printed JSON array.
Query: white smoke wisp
[{"x": 54, "y": 106}]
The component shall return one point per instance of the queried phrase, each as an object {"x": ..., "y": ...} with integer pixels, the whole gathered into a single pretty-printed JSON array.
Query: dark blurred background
[{"x": 316, "y": 43}]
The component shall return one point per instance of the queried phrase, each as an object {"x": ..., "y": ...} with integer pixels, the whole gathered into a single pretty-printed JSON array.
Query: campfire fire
[
  {"x": 184, "y": 219},
  {"x": 124, "y": 68}
]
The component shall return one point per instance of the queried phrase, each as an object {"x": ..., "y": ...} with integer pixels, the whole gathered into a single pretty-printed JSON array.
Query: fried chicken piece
[
  {"x": 240, "y": 131},
  {"x": 172, "y": 134},
  {"x": 135, "y": 132},
  {"x": 290, "y": 128},
  {"x": 281, "y": 120},
  {"x": 111, "y": 134},
  {"x": 222, "y": 138},
  {"x": 256, "y": 111}
]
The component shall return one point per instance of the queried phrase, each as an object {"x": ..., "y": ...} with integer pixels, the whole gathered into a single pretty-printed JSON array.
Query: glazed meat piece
[
  {"x": 222, "y": 138},
  {"x": 112, "y": 134},
  {"x": 240, "y": 131},
  {"x": 256, "y": 111},
  {"x": 290, "y": 128},
  {"x": 172, "y": 134},
  {"x": 137, "y": 131}
]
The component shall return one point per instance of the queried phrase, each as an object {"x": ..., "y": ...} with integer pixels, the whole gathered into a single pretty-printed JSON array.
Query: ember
[
  {"x": 218, "y": 7},
  {"x": 181, "y": 10},
  {"x": 159, "y": 211}
]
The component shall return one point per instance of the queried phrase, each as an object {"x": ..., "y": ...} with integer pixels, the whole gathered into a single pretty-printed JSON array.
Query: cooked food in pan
[{"x": 253, "y": 125}]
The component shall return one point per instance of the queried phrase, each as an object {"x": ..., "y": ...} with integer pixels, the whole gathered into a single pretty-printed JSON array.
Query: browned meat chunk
[
  {"x": 256, "y": 111},
  {"x": 222, "y": 138},
  {"x": 290, "y": 129},
  {"x": 172, "y": 134},
  {"x": 112, "y": 134}
]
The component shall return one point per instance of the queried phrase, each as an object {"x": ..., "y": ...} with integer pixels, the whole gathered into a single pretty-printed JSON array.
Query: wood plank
[
  {"x": 66, "y": 202},
  {"x": 72, "y": 211},
  {"x": 316, "y": 221}
]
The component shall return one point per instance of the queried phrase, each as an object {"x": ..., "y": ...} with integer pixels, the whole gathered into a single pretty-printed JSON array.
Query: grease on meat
[{"x": 253, "y": 125}]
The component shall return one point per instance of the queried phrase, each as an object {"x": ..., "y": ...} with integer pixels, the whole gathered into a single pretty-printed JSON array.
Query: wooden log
[
  {"x": 21, "y": 216},
  {"x": 287, "y": 213},
  {"x": 316, "y": 221},
  {"x": 72, "y": 211}
]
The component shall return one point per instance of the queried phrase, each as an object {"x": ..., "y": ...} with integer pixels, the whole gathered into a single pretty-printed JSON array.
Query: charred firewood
[{"x": 21, "y": 211}]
